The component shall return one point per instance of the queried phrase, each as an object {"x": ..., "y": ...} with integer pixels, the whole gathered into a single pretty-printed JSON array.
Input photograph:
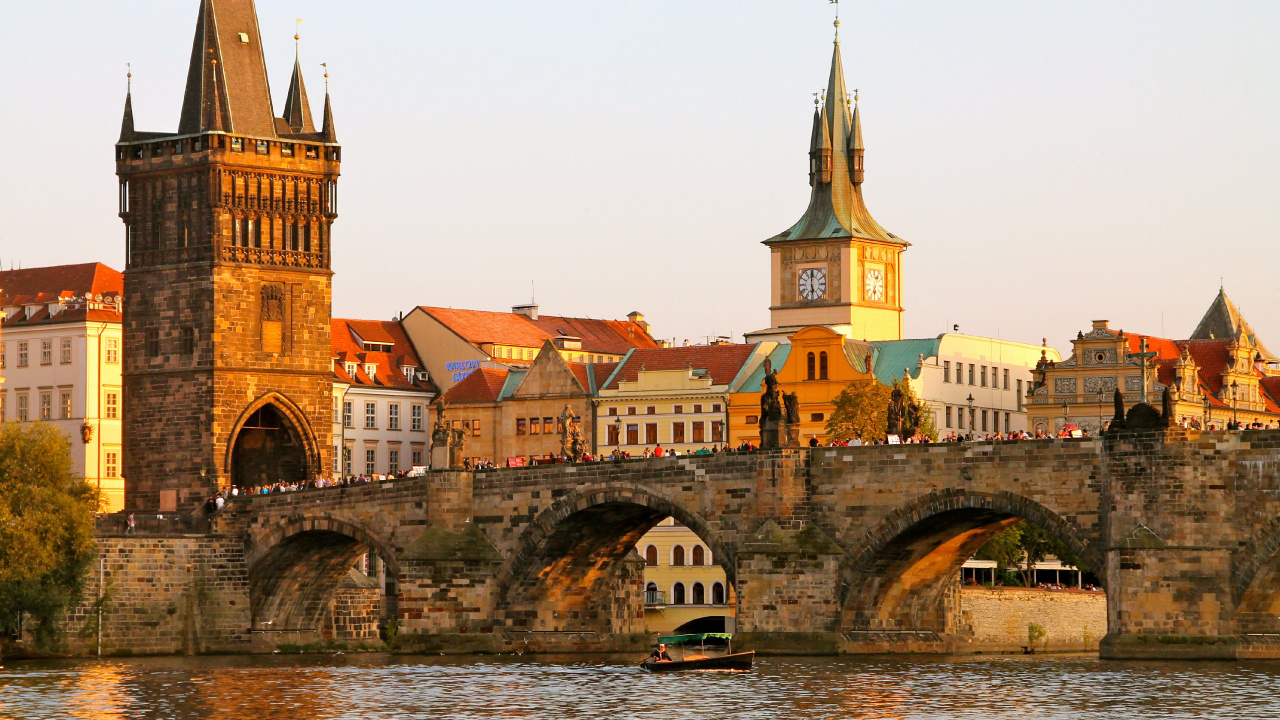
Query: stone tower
[
  {"x": 227, "y": 362},
  {"x": 836, "y": 267}
]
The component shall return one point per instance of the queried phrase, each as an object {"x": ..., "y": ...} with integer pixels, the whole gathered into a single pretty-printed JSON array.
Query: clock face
[
  {"x": 813, "y": 283},
  {"x": 875, "y": 284}
]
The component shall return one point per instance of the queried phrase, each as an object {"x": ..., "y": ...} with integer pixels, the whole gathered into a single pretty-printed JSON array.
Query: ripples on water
[{"x": 367, "y": 687}]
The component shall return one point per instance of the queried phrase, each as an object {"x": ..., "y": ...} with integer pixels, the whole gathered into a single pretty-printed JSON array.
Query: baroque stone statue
[
  {"x": 572, "y": 445},
  {"x": 770, "y": 409},
  {"x": 897, "y": 412}
]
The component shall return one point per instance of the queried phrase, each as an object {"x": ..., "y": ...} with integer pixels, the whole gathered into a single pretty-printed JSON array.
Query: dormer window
[
  {"x": 351, "y": 368},
  {"x": 375, "y": 346},
  {"x": 409, "y": 372},
  {"x": 371, "y": 369}
]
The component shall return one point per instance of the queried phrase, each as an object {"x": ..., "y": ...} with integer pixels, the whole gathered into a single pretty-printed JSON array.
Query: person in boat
[{"x": 660, "y": 655}]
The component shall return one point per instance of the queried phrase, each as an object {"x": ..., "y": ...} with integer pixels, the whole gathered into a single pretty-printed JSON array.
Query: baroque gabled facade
[
  {"x": 227, "y": 363},
  {"x": 836, "y": 266}
]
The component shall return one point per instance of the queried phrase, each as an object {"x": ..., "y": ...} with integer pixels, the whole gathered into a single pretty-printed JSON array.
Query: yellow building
[
  {"x": 836, "y": 266},
  {"x": 1221, "y": 374},
  {"x": 673, "y": 397},
  {"x": 685, "y": 589},
  {"x": 816, "y": 364}
]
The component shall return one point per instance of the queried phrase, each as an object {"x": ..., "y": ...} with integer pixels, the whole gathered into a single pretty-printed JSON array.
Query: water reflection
[{"x": 380, "y": 686}]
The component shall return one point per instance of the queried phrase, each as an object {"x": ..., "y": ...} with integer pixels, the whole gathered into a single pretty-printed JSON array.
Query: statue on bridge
[
  {"x": 572, "y": 446},
  {"x": 779, "y": 414},
  {"x": 448, "y": 444}
]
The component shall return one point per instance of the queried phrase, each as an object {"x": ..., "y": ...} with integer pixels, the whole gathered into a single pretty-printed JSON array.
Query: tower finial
[
  {"x": 297, "y": 35},
  {"x": 837, "y": 22},
  {"x": 128, "y": 77},
  {"x": 326, "y": 77}
]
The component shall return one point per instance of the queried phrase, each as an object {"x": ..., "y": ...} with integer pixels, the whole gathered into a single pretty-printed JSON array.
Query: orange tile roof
[
  {"x": 346, "y": 348},
  {"x": 722, "y": 362},
  {"x": 48, "y": 284},
  {"x": 505, "y": 328},
  {"x": 1210, "y": 357},
  {"x": 483, "y": 385}
]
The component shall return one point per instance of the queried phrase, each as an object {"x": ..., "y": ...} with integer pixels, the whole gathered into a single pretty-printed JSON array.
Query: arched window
[
  {"x": 677, "y": 556},
  {"x": 651, "y": 556},
  {"x": 698, "y": 556},
  {"x": 677, "y": 594},
  {"x": 653, "y": 587},
  {"x": 811, "y": 371},
  {"x": 822, "y": 365},
  {"x": 717, "y": 594},
  {"x": 699, "y": 594}
]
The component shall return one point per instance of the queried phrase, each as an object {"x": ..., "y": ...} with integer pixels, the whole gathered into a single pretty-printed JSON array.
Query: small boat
[{"x": 694, "y": 654}]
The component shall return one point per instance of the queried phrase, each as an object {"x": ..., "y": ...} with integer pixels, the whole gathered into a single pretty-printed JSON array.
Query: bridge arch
[
  {"x": 900, "y": 574},
  {"x": 575, "y": 567},
  {"x": 1255, "y": 582},
  {"x": 295, "y": 568}
]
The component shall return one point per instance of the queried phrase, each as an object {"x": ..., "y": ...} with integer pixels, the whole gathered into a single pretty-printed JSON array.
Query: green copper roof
[
  {"x": 896, "y": 355},
  {"x": 777, "y": 359}
]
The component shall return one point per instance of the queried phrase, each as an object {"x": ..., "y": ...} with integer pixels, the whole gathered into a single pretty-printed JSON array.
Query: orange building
[{"x": 816, "y": 365}]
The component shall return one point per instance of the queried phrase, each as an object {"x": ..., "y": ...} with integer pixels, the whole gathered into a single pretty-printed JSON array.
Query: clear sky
[{"x": 1051, "y": 163}]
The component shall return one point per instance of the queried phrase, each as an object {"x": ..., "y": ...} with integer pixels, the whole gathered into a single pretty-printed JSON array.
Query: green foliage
[
  {"x": 390, "y": 628},
  {"x": 1035, "y": 633},
  {"x": 861, "y": 411},
  {"x": 46, "y": 527},
  {"x": 1030, "y": 543},
  {"x": 919, "y": 419},
  {"x": 1004, "y": 549}
]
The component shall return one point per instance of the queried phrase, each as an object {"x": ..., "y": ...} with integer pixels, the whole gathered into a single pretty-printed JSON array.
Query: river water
[{"x": 366, "y": 687}]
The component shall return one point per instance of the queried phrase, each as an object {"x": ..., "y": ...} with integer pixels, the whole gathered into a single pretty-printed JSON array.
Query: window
[
  {"x": 613, "y": 411},
  {"x": 393, "y": 416},
  {"x": 337, "y": 459},
  {"x": 678, "y": 409},
  {"x": 415, "y": 417},
  {"x": 64, "y": 351},
  {"x": 348, "y": 414},
  {"x": 113, "y": 351},
  {"x": 971, "y": 368},
  {"x": 46, "y": 352},
  {"x": 677, "y": 594},
  {"x": 522, "y": 426},
  {"x": 393, "y": 460},
  {"x": 677, "y": 556},
  {"x": 651, "y": 556},
  {"x": 948, "y": 413},
  {"x": 699, "y": 556},
  {"x": 46, "y": 406},
  {"x": 633, "y": 434},
  {"x": 817, "y": 417},
  {"x": 699, "y": 594},
  {"x": 475, "y": 428},
  {"x": 972, "y": 415},
  {"x": 371, "y": 416},
  {"x": 286, "y": 149},
  {"x": 946, "y": 371},
  {"x": 113, "y": 464},
  {"x": 346, "y": 460},
  {"x": 152, "y": 343},
  {"x": 1006, "y": 378},
  {"x": 22, "y": 354},
  {"x": 23, "y": 410},
  {"x": 717, "y": 431},
  {"x": 984, "y": 421},
  {"x": 370, "y": 461},
  {"x": 417, "y": 457},
  {"x": 631, "y": 411},
  {"x": 822, "y": 365},
  {"x": 717, "y": 593},
  {"x": 535, "y": 426},
  {"x": 4, "y": 351},
  {"x": 984, "y": 376},
  {"x": 613, "y": 434},
  {"x": 263, "y": 147},
  {"x": 811, "y": 367},
  {"x": 697, "y": 409},
  {"x": 699, "y": 432},
  {"x": 65, "y": 404},
  {"x": 237, "y": 144},
  {"x": 753, "y": 419},
  {"x": 677, "y": 432},
  {"x": 1006, "y": 422},
  {"x": 1019, "y": 395},
  {"x": 715, "y": 407},
  {"x": 4, "y": 404},
  {"x": 188, "y": 341},
  {"x": 651, "y": 433},
  {"x": 548, "y": 424}
]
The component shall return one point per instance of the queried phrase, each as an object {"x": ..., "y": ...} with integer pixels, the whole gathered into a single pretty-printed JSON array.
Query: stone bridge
[{"x": 829, "y": 550}]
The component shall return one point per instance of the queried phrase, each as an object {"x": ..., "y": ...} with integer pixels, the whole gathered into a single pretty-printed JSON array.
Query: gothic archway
[{"x": 272, "y": 441}]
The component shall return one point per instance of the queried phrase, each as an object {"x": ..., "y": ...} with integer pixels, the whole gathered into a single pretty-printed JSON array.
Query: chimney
[
  {"x": 530, "y": 311},
  {"x": 1101, "y": 324},
  {"x": 636, "y": 317}
]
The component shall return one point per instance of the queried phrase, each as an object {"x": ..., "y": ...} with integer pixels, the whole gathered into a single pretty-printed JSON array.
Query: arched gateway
[{"x": 271, "y": 442}]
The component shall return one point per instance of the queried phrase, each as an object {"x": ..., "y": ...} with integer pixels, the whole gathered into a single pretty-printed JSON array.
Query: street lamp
[
  {"x": 1101, "y": 397},
  {"x": 1235, "y": 417},
  {"x": 970, "y": 401},
  {"x": 1207, "y": 410},
  {"x": 1066, "y": 408},
  {"x": 617, "y": 428}
]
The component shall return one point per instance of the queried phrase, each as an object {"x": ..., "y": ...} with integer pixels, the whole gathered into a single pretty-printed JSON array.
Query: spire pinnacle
[
  {"x": 126, "y": 124},
  {"x": 297, "y": 109},
  {"x": 837, "y": 22}
]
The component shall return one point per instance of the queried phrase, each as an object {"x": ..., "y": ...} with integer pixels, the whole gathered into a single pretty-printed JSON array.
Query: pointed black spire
[
  {"x": 227, "y": 31},
  {"x": 297, "y": 110},
  {"x": 126, "y": 125},
  {"x": 327, "y": 132}
]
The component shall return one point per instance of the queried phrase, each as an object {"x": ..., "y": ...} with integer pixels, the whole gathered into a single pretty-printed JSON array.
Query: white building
[
  {"x": 382, "y": 394},
  {"x": 60, "y": 353},
  {"x": 973, "y": 384}
]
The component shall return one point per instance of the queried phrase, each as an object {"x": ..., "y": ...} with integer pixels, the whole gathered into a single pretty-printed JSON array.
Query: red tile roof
[
  {"x": 347, "y": 348},
  {"x": 505, "y": 328},
  {"x": 47, "y": 285},
  {"x": 723, "y": 362},
  {"x": 1210, "y": 357},
  {"x": 483, "y": 385}
]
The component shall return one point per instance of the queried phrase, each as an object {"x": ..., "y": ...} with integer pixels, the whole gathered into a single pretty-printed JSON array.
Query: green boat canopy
[{"x": 697, "y": 637}]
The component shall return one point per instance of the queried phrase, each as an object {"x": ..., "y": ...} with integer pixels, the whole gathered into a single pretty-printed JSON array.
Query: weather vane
[
  {"x": 297, "y": 32},
  {"x": 128, "y": 76},
  {"x": 837, "y": 23},
  {"x": 325, "y": 65}
]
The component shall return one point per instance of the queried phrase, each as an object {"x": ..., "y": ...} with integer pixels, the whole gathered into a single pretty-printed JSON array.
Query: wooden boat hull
[{"x": 737, "y": 661}]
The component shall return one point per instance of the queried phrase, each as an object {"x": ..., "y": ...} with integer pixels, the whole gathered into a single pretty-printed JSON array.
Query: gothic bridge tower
[{"x": 227, "y": 362}]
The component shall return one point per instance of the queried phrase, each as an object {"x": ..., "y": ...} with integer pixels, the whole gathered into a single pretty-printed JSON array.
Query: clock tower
[{"x": 836, "y": 267}]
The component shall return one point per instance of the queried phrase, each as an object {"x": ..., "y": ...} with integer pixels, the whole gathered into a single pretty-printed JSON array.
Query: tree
[
  {"x": 861, "y": 411},
  {"x": 919, "y": 418},
  {"x": 46, "y": 527},
  {"x": 1029, "y": 543}
]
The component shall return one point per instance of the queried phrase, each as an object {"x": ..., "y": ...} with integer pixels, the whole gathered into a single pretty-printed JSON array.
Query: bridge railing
[{"x": 153, "y": 523}]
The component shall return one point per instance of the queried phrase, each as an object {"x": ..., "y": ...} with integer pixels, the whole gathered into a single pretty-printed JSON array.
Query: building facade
[
  {"x": 973, "y": 385},
  {"x": 836, "y": 266},
  {"x": 227, "y": 358},
  {"x": 674, "y": 397},
  {"x": 383, "y": 395},
  {"x": 454, "y": 342},
  {"x": 685, "y": 588},
  {"x": 1221, "y": 374},
  {"x": 60, "y": 351}
]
